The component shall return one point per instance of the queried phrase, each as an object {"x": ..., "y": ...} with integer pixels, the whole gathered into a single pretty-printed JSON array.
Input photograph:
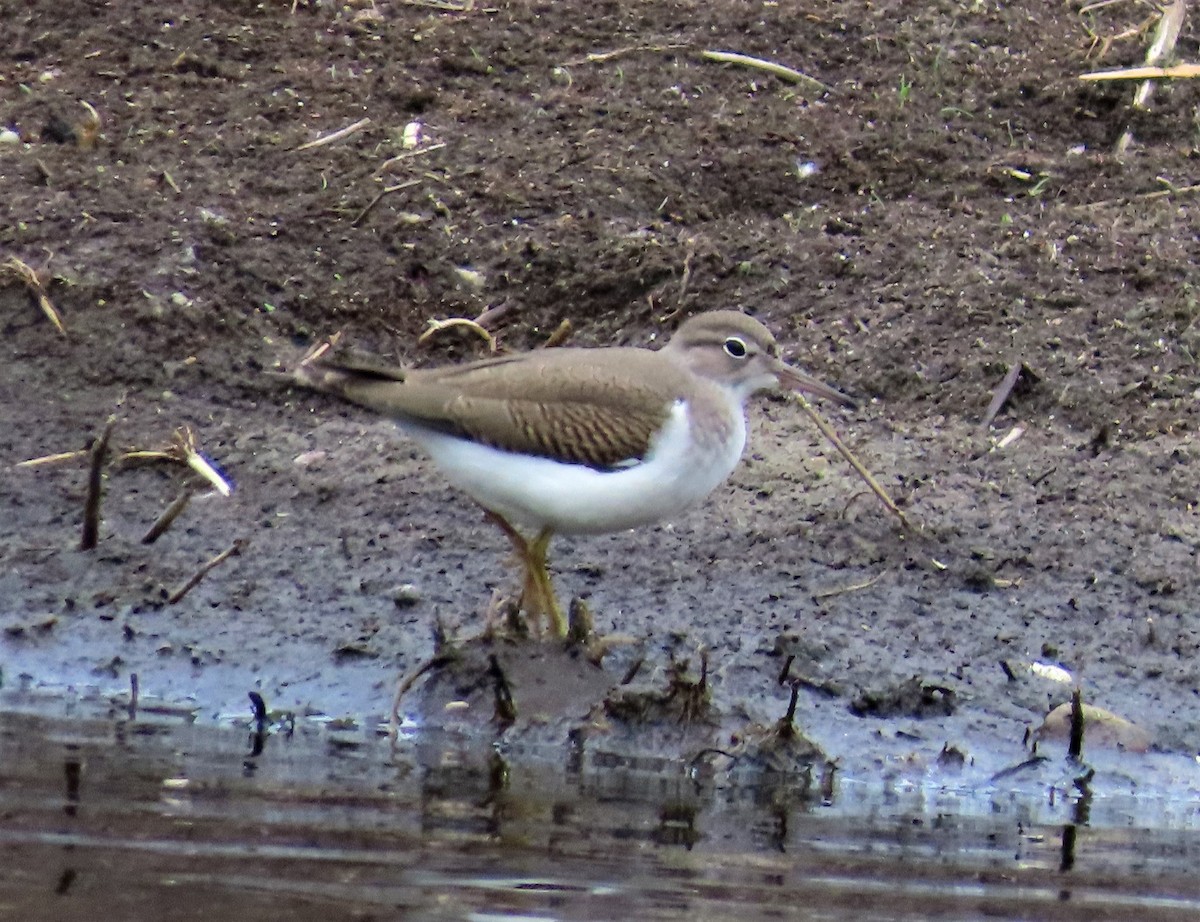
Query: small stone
[{"x": 406, "y": 595}]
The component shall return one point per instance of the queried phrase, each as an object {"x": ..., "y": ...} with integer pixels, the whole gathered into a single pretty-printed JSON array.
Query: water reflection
[{"x": 122, "y": 817}]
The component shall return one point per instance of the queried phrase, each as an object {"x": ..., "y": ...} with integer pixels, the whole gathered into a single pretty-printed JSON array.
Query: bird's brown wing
[{"x": 598, "y": 407}]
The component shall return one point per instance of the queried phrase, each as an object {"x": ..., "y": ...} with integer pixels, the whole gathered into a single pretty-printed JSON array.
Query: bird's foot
[{"x": 538, "y": 600}]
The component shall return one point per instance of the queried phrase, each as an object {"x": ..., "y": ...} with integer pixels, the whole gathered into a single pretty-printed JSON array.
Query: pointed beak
[{"x": 796, "y": 380}]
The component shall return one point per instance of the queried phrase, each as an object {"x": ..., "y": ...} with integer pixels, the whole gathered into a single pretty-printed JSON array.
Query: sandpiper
[{"x": 580, "y": 441}]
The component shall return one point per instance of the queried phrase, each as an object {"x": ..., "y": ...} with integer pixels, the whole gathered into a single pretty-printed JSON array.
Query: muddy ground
[{"x": 941, "y": 200}]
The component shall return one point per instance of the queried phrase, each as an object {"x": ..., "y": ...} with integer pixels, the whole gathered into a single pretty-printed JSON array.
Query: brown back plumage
[{"x": 545, "y": 403}]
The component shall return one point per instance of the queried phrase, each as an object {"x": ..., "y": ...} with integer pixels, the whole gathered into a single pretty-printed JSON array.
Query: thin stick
[
  {"x": 1009, "y": 437},
  {"x": 437, "y": 326},
  {"x": 95, "y": 484},
  {"x": 853, "y": 587},
  {"x": 770, "y": 67},
  {"x": 387, "y": 190},
  {"x": 1003, "y": 392},
  {"x": 1170, "y": 22},
  {"x": 868, "y": 478},
  {"x": 436, "y": 662},
  {"x": 1144, "y": 196},
  {"x": 25, "y": 273},
  {"x": 335, "y": 136},
  {"x": 52, "y": 459},
  {"x": 234, "y": 549},
  {"x": 600, "y": 57},
  {"x": 493, "y": 314},
  {"x": 170, "y": 514},
  {"x": 1175, "y": 72},
  {"x": 408, "y": 155},
  {"x": 466, "y": 6}
]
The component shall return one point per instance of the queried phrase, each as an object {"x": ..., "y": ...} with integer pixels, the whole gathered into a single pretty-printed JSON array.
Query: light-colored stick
[
  {"x": 409, "y": 155},
  {"x": 866, "y": 475},
  {"x": 853, "y": 587},
  {"x": 25, "y": 273},
  {"x": 335, "y": 136},
  {"x": 437, "y": 326},
  {"x": 386, "y": 190},
  {"x": 561, "y": 334},
  {"x": 52, "y": 459},
  {"x": 770, "y": 67},
  {"x": 182, "y": 450},
  {"x": 600, "y": 57},
  {"x": 1174, "y": 72}
]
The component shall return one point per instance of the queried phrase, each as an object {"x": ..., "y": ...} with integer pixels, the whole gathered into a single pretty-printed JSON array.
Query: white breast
[{"x": 676, "y": 474}]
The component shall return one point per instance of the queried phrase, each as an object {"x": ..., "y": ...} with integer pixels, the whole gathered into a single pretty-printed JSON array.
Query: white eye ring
[{"x": 736, "y": 347}]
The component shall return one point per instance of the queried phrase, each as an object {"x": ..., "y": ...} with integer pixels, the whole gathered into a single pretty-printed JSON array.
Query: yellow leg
[{"x": 537, "y": 592}]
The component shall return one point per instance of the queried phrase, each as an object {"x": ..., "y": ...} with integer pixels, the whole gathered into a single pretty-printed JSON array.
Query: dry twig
[
  {"x": 194, "y": 580},
  {"x": 853, "y": 587},
  {"x": 170, "y": 514},
  {"x": 408, "y": 155},
  {"x": 1003, "y": 392},
  {"x": 95, "y": 489},
  {"x": 53, "y": 459},
  {"x": 1144, "y": 196},
  {"x": 600, "y": 57},
  {"x": 437, "y": 326},
  {"x": 335, "y": 136},
  {"x": 493, "y": 314},
  {"x": 183, "y": 450},
  {"x": 386, "y": 190},
  {"x": 1174, "y": 72},
  {"x": 560, "y": 335},
  {"x": 450, "y": 6},
  {"x": 25, "y": 273},
  {"x": 437, "y": 661},
  {"x": 1170, "y": 24},
  {"x": 770, "y": 67},
  {"x": 843, "y": 449}
]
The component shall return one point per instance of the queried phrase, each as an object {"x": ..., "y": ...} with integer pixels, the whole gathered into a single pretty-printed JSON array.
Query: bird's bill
[{"x": 795, "y": 380}]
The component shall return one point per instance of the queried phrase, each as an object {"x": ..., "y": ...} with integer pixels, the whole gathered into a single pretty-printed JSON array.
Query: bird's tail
[{"x": 340, "y": 373}]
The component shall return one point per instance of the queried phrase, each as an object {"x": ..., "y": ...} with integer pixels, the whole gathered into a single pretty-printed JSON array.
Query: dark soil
[{"x": 945, "y": 204}]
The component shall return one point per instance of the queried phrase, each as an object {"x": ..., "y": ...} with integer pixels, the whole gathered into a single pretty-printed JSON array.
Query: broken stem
[
  {"x": 191, "y": 584},
  {"x": 25, "y": 273},
  {"x": 1003, "y": 392},
  {"x": 770, "y": 67},
  {"x": 334, "y": 136},
  {"x": 95, "y": 489},
  {"x": 170, "y": 514},
  {"x": 866, "y": 475}
]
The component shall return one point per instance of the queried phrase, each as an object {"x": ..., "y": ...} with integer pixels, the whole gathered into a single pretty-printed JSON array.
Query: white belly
[{"x": 676, "y": 474}]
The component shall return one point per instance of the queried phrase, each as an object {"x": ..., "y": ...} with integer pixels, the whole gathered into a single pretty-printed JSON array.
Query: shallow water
[{"x": 150, "y": 816}]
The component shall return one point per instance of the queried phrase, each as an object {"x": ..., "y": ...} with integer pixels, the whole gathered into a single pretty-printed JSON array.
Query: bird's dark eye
[{"x": 735, "y": 347}]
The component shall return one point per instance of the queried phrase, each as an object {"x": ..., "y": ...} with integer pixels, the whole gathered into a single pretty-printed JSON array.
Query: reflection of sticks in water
[
  {"x": 95, "y": 489},
  {"x": 1075, "y": 744},
  {"x": 191, "y": 584}
]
